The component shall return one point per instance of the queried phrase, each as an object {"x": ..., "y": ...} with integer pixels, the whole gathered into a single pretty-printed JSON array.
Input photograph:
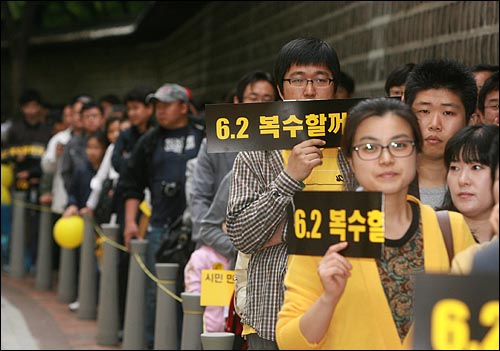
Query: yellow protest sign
[{"x": 217, "y": 287}]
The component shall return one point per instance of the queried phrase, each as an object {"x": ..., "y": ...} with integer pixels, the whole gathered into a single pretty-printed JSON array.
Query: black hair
[
  {"x": 494, "y": 156},
  {"x": 88, "y": 106},
  {"x": 253, "y": 77},
  {"x": 347, "y": 82},
  {"x": 110, "y": 120},
  {"x": 490, "y": 84},
  {"x": 484, "y": 67},
  {"x": 111, "y": 98},
  {"x": 139, "y": 94},
  {"x": 306, "y": 51},
  {"x": 443, "y": 74},
  {"x": 31, "y": 95},
  {"x": 398, "y": 77},
  {"x": 378, "y": 107},
  {"x": 100, "y": 136},
  {"x": 470, "y": 144}
]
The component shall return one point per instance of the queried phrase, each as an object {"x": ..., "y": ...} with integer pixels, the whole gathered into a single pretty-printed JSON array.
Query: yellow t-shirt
[{"x": 326, "y": 177}]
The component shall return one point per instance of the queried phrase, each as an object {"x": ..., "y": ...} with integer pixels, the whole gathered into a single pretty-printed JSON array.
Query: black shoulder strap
[{"x": 444, "y": 223}]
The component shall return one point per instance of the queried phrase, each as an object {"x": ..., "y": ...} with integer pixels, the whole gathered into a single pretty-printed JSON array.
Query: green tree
[{"x": 22, "y": 20}]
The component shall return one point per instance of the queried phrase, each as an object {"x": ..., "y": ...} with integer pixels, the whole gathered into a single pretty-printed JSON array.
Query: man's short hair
[
  {"x": 490, "y": 84},
  {"x": 250, "y": 78},
  {"x": 484, "y": 67},
  {"x": 139, "y": 94},
  {"x": 89, "y": 105},
  {"x": 30, "y": 95},
  {"x": 398, "y": 77},
  {"x": 306, "y": 51},
  {"x": 443, "y": 74}
]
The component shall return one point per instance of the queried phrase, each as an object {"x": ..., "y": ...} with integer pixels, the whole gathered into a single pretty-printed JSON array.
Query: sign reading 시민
[
  {"x": 217, "y": 287},
  {"x": 324, "y": 218},
  {"x": 274, "y": 125}
]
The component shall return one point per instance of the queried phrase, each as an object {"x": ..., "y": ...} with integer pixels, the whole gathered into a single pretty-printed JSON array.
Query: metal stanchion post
[
  {"x": 66, "y": 287},
  {"x": 166, "y": 311},
  {"x": 87, "y": 286},
  {"x": 107, "y": 315},
  {"x": 192, "y": 324},
  {"x": 217, "y": 341},
  {"x": 17, "y": 236},
  {"x": 134, "y": 336},
  {"x": 44, "y": 253}
]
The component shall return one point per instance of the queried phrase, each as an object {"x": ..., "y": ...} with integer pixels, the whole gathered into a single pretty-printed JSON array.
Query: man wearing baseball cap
[{"x": 158, "y": 162}]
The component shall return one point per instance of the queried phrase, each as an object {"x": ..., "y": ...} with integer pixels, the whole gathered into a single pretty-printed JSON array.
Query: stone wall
[{"x": 226, "y": 39}]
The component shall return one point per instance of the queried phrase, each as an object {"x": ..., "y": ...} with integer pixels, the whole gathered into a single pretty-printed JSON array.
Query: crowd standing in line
[{"x": 428, "y": 151}]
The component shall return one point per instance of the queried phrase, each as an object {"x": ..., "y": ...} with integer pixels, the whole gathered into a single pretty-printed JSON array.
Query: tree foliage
[{"x": 21, "y": 20}]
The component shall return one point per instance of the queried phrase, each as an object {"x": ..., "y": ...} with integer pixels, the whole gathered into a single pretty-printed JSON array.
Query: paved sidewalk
[
  {"x": 35, "y": 320},
  {"x": 16, "y": 334}
]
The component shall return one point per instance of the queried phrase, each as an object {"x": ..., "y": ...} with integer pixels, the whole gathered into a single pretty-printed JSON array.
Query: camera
[{"x": 170, "y": 189}]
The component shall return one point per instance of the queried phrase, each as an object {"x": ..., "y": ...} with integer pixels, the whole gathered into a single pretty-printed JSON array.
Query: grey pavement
[{"x": 16, "y": 334}]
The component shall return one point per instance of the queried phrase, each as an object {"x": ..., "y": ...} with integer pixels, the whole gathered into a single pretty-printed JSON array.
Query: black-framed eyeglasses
[
  {"x": 372, "y": 151},
  {"x": 302, "y": 83}
]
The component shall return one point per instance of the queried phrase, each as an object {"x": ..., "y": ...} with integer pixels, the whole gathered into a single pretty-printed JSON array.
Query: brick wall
[{"x": 228, "y": 38}]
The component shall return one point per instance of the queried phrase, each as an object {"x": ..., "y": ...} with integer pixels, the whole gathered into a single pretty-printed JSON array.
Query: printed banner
[
  {"x": 275, "y": 125},
  {"x": 217, "y": 287},
  {"x": 456, "y": 312},
  {"x": 323, "y": 218}
]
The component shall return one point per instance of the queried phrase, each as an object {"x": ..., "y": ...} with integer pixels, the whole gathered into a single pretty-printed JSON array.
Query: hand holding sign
[{"x": 304, "y": 157}]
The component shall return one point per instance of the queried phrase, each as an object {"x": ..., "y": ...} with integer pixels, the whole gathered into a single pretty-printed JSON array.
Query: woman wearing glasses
[{"x": 335, "y": 302}]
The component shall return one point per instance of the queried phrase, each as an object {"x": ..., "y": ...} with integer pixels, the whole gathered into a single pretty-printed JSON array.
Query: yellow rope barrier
[
  {"x": 138, "y": 258},
  {"x": 108, "y": 240},
  {"x": 193, "y": 312},
  {"x": 113, "y": 243}
]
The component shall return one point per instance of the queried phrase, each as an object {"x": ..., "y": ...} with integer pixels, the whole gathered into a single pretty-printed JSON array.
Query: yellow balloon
[
  {"x": 6, "y": 200},
  {"x": 68, "y": 232},
  {"x": 7, "y": 175}
]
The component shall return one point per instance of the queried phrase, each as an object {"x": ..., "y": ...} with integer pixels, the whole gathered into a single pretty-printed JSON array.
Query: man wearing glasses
[{"x": 263, "y": 184}]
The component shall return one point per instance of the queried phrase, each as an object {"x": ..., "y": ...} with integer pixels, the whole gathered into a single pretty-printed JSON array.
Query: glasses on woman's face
[{"x": 372, "y": 151}]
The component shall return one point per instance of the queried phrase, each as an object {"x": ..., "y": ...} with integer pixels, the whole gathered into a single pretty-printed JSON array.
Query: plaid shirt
[{"x": 259, "y": 196}]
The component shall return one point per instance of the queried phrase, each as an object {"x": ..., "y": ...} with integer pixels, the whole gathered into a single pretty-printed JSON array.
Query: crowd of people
[{"x": 430, "y": 144}]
